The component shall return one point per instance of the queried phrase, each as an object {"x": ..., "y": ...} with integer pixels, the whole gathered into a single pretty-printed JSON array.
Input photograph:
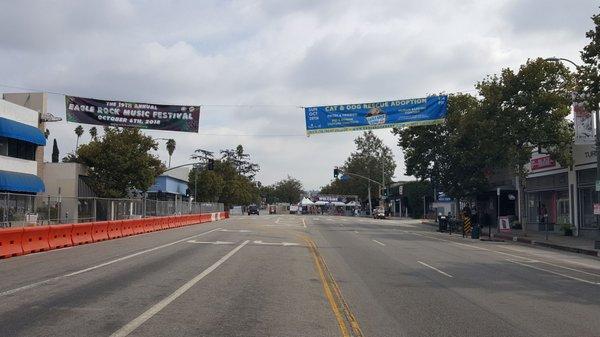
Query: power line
[{"x": 203, "y": 105}]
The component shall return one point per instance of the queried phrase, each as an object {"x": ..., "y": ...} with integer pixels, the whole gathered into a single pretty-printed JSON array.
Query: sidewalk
[
  {"x": 555, "y": 240},
  {"x": 558, "y": 241}
]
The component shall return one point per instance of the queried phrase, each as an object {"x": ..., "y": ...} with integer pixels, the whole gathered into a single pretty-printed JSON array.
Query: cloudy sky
[{"x": 274, "y": 56}]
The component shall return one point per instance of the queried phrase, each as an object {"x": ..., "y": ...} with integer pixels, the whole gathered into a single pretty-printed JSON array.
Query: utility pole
[{"x": 370, "y": 204}]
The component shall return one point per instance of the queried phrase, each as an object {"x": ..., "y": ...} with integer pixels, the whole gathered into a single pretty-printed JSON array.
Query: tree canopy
[
  {"x": 119, "y": 162},
  {"x": 516, "y": 113},
  {"x": 231, "y": 181},
  {"x": 371, "y": 159}
]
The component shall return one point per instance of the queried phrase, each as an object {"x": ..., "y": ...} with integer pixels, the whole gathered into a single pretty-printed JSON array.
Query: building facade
[{"x": 21, "y": 149}]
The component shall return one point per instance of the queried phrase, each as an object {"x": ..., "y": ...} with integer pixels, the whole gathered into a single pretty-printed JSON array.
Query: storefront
[{"x": 548, "y": 194}]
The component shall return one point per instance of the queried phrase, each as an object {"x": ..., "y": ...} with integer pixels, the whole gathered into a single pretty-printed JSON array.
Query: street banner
[
  {"x": 584, "y": 125},
  {"x": 133, "y": 115},
  {"x": 366, "y": 116}
]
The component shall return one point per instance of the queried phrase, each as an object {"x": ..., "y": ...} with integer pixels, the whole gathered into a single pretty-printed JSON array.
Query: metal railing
[{"x": 26, "y": 210}]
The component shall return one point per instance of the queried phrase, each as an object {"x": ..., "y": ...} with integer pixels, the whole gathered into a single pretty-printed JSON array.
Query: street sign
[
  {"x": 498, "y": 191},
  {"x": 596, "y": 209},
  {"x": 597, "y": 185},
  {"x": 400, "y": 189}
]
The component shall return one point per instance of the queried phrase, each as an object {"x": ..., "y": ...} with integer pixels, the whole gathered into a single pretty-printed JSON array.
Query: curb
[{"x": 589, "y": 252}]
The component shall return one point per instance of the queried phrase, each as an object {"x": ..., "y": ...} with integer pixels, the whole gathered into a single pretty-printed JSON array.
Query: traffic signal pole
[{"x": 337, "y": 171}]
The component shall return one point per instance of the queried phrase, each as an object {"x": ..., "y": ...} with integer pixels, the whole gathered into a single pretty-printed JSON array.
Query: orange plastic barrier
[
  {"x": 114, "y": 229},
  {"x": 148, "y": 225},
  {"x": 138, "y": 226},
  {"x": 204, "y": 218},
  {"x": 10, "y": 242},
  {"x": 60, "y": 236},
  {"x": 126, "y": 227},
  {"x": 100, "y": 231},
  {"x": 164, "y": 222},
  {"x": 171, "y": 221},
  {"x": 155, "y": 223},
  {"x": 35, "y": 239},
  {"x": 82, "y": 233}
]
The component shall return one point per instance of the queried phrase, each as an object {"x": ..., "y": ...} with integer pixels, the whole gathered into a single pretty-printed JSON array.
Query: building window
[
  {"x": 555, "y": 202},
  {"x": 17, "y": 148}
]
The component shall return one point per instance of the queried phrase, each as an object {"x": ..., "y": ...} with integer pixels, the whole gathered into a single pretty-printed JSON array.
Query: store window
[{"x": 555, "y": 202}]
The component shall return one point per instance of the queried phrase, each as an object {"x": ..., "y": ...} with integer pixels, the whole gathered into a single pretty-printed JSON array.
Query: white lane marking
[
  {"x": 503, "y": 253},
  {"x": 381, "y": 243},
  {"x": 213, "y": 242},
  {"x": 235, "y": 230},
  {"x": 277, "y": 221},
  {"x": 81, "y": 271},
  {"x": 303, "y": 223},
  {"x": 356, "y": 232},
  {"x": 434, "y": 268},
  {"x": 131, "y": 326},
  {"x": 553, "y": 272},
  {"x": 259, "y": 242}
]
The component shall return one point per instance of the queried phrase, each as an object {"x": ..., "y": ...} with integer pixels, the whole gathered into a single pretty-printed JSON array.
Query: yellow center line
[{"x": 340, "y": 308}]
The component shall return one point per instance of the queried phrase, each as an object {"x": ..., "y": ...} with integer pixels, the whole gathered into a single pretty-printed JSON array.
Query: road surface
[{"x": 288, "y": 275}]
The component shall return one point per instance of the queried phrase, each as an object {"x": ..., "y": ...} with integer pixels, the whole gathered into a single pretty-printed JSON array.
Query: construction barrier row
[{"x": 25, "y": 240}]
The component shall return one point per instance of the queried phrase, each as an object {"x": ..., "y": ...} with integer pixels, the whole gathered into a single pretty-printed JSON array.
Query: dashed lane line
[
  {"x": 434, "y": 268},
  {"x": 134, "y": 324}
]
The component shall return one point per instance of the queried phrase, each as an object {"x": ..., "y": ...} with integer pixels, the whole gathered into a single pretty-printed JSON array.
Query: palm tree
[
  {"x": 78, "y": 132},
  {"x": 170, "y": 148},
  {"x": 94, "y": 133}
]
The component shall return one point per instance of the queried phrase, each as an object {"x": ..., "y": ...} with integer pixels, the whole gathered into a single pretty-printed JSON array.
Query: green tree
[
  {"x": 588, "y": 75},
  {"x": 372, "y": 159},
  {"x": 415, "y": 193},
  {"x": 227, "y": 182},
  {"x": 209, "y": 183},
  {"x": 170, "y": 148},
  {"x": 267, "y": 193},
  {"x": 526, "y": 111},
  {"x": 78, "y": 132},
  {"x": 241, "y": 161},
  {"x": 120, "y": 161},
  {"x": 93, "y": 133},
  {"x": 55, "y": 152},
  {"x": 288, "y": 190},
  {"x": 455, "y": 155}
]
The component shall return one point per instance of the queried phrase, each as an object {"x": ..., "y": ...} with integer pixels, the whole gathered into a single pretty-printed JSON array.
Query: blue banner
[{"x": 365, "y": 116}]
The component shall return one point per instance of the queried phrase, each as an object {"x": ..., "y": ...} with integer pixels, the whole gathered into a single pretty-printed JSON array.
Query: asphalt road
[{"x": 286, "y": 275}]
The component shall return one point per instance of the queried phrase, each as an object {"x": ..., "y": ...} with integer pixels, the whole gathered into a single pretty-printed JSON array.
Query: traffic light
[
  {"x": 211, "y": 165},
  {"x": 336, "y": 172}
]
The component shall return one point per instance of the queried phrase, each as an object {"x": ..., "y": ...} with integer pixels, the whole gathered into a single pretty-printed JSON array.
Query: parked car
[
  {"x": 379, "y": 213},
  {"x": 253, "y": 209}
]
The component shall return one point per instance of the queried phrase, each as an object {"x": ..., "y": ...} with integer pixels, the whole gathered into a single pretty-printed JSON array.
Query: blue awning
[
  {"x": 20, "y": 182},
  {"x": 20, "y": 131}
]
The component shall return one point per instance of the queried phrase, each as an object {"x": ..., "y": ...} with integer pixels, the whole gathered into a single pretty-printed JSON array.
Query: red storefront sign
[{"x": 542, "y": 162}]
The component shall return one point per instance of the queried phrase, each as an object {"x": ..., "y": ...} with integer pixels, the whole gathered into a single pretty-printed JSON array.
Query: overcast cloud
[{"x": 281, "y": 53}]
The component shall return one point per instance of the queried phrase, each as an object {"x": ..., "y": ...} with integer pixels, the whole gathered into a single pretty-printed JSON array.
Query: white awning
[{"x": 306, "y": 202}]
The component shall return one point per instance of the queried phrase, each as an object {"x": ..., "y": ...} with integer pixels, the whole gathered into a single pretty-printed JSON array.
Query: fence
[{"x": 22, "y": 209}]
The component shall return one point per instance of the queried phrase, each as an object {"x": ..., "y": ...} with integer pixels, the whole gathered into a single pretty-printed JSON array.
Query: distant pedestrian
[{"x": 543, "y": 215}]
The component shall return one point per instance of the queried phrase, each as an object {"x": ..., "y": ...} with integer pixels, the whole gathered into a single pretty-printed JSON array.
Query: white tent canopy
[
  {"x": 352, "y": 204},
  {"x": 338, "y": 203},
  {"x": 306, "y": 202},
  {"x": 321, "y": 202}
]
